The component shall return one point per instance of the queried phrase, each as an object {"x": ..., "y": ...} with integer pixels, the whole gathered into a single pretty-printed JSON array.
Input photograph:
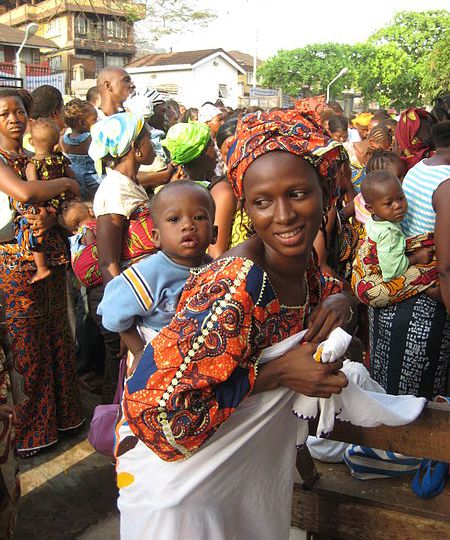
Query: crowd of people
[{"x": 192, "y": 240}]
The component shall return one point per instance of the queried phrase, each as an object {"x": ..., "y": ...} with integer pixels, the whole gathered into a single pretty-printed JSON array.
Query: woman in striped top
[{"x": 410, "y": 341}]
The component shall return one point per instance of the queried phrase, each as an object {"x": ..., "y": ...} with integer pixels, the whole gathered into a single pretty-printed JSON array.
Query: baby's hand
[{"x": 422, "y": 256}]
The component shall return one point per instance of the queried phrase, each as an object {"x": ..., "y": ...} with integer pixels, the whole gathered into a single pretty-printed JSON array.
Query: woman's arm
[
  {"x": 33, "y": 192},
  {"x": 154, "y": 179},
  {"x": 441, "y": 204},
  {"x": 225, "y": 208},
  {"x": 109, "y": 244}
]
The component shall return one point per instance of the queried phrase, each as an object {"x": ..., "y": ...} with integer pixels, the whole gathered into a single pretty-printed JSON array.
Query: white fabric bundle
[{"x": 354, "y": 404}]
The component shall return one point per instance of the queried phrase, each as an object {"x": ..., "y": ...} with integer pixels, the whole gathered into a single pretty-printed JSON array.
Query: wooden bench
[{"x": 333, "y": 505}]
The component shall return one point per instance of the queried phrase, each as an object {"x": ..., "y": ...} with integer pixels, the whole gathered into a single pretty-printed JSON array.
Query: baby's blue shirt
[{"x": 146, "y": 293}]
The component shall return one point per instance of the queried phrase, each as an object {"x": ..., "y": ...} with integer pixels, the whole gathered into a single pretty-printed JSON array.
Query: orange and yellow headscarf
[{"x": 290, "y": 131}]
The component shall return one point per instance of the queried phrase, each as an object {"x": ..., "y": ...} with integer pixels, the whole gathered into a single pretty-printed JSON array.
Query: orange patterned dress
[
  {"x": 368, "y": 284},
  {"x": 191, "y": 397},
  {"x": 199, "y": 368}
]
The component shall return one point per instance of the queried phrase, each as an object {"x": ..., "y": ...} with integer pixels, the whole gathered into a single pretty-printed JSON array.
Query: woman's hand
[
  {"x": 311, "y": 378},
  {"x": 334, "y": 311},
  {"x": 43, "y": 221},
  {"x": 298, "y": 371}
]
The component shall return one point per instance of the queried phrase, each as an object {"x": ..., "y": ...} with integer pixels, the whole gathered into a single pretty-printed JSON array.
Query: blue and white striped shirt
[{"x": 419, "y": 185}]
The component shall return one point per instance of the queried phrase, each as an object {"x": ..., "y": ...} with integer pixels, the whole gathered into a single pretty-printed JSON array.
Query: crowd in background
[{"x": 81, "y": 181}]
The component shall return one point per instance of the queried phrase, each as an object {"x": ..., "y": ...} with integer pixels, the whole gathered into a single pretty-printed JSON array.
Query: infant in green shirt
[{"x": 386, "y": 202}]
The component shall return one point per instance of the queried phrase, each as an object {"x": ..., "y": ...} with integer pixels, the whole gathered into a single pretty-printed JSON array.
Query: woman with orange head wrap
[{"x": 176, "y": 469}]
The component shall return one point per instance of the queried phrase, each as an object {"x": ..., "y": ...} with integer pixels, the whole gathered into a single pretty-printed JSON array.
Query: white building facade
[{"x": 203, "y": 76}]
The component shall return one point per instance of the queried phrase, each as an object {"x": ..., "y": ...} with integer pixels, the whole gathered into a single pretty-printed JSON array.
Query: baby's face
[
  {"x": 389, "y": 203},
  {"x": 185, "y": 226},
  {"x": 74, "y": 216}
]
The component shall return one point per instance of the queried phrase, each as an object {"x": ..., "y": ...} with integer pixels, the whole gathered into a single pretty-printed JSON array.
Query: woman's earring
[{"x": 138, "y": 153}]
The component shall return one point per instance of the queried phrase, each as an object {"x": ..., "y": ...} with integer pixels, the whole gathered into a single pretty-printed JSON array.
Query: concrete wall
[
  {"x": 195, "y": 86},
  {"x": 208, "y": 77},
  {"x": 181, "y": 79}
]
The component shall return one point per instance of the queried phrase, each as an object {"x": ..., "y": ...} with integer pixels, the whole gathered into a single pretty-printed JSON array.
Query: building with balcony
[{"x": 91, "y": 33}]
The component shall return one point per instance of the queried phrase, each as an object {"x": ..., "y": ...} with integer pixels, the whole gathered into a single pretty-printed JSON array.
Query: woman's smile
[{"x": 291, "y": 237}]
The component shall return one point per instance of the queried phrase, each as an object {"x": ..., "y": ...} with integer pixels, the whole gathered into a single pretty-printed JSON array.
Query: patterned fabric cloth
[
  {"x": 287, "y": 131},
  {"x": 43, "y": 374},
  {"x": 342, "y": 245},
  {"x": 187, "y": 141},
  {"x": 199, "y": 368},
  {"x": 136, "y": 243},
  {"x": 14, "y": 254},
  {"x": 357, "y": 168},
  {"x": 241, "y": 228},
  {"x": 413, "y": 148},
  {"x": 48, "y": 168},
  {"x": 113, "y": 137},
  {"x": 367, "y": 280},
  {"x": 409, "y": 347},
  {"x": 9, "y": 479},
  {"x": 316, "y": 104}
]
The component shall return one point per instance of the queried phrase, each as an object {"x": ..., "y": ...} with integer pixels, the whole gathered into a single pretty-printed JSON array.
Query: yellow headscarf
[{"x": 363, "y": 119}]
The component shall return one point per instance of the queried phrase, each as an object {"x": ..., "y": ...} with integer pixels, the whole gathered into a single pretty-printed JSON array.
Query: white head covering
[
  {"x": 143, "y": 102},
  {"x": 207, "y": 112}
]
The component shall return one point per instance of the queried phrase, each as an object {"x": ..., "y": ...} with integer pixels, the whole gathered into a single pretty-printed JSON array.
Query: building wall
[
  {"x": 178, "y": 82},
  {"x": 57, "y": 29},
  {"x": 195, "y": 86},
  {"x": 209, "y": 76},
  {"x": 27, "y": 56}
]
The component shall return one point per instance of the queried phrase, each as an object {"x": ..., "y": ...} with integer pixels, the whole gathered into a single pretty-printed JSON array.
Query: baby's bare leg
[{"x": 43, "y": 271}]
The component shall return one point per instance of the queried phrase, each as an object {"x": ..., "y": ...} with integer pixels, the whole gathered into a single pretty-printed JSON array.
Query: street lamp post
[
  {"x": 340, "y": 74},
  {"x": 30, "y": 30}
]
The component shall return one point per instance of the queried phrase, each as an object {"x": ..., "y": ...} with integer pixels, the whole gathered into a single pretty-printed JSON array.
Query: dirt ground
[{"x": 68, "y": 491}]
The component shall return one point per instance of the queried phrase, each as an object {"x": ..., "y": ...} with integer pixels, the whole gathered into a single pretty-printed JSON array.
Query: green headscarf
[{"x": 186, "y": 142}]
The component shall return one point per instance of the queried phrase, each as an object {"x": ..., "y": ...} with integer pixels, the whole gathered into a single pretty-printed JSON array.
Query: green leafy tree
[
  {"x": 417, "y": 34},
  {"x": 436, "y": 78},
  {"x": 381, "y": 73},
  {"x": 308, "y": 69},
  {"x": 414, "y": 32},
  {"x": 385, "y": 74},
  {"x": 405, "y": 63}
]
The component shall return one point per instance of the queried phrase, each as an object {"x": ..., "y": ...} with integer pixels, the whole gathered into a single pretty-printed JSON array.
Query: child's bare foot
[{"x": 40, "y": 274}]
